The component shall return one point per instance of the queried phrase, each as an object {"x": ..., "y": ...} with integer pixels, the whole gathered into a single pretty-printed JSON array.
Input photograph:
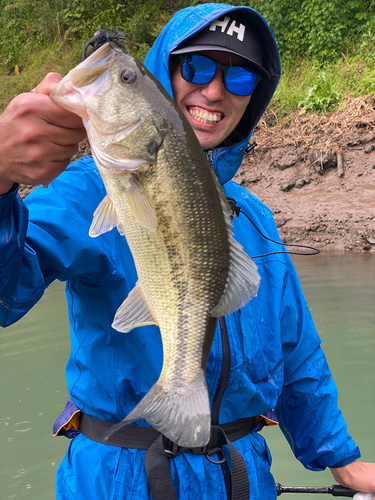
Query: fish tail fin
[{"x": 182, "y": 414}]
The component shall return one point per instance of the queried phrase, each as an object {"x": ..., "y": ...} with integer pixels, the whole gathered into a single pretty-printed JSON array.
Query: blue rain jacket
[{"x": 276, "y": 360}]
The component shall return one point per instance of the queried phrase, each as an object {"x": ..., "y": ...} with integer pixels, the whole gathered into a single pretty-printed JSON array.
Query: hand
[
  {"x": 359, "y": 476},
  {"x": 37, "y": 137},
  {"x": 364, "y": 496}
]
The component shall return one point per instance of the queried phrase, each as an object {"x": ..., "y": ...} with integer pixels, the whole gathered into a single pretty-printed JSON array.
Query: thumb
[{"x": 48, "y": 83}]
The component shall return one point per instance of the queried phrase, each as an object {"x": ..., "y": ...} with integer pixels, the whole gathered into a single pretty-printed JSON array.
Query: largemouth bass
[{"x": 165, "y": 198}]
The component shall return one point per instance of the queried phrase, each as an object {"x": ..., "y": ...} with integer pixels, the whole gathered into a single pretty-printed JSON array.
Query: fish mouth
[
  {"x": 205, "y": 116},
  {"x": 88, "y": 78}
]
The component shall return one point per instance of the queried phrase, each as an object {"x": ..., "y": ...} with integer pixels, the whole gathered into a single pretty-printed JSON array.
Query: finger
[
  {"x": 61, "y": 136},
  {"x": 48, "y": 83},
  {"x": 52, "y": 112},
  {"x": 43, "y": 156},
  {"x": 62, "y": 153},
  {"x": 35, "y": 130},
  {"x": 42, "y": 107}
]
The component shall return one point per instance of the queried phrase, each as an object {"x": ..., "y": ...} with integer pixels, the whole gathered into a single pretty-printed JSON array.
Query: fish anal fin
[
  {"x": 133, "y": 312},
  {"x": 105, "y": 218}
]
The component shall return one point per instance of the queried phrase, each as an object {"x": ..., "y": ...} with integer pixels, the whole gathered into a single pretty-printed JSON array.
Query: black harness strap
[
  {"x": 159, "y": 449},
  {"x": 159, "y": 472},
  {"x": 240, "y": 478},
  {"x": 140, "y": 438}
]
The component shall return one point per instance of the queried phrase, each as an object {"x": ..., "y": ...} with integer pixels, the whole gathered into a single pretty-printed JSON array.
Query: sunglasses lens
[
  {"x": 200, "y": 69},
  {"x": 197, "y": 69},
  {"x": 240, "y": 81}
]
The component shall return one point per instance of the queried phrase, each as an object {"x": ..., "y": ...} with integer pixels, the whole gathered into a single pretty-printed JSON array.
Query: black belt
[{"x": 159, "y": 449}]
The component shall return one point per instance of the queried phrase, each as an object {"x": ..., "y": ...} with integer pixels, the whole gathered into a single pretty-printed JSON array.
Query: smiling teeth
[{"x": 204, "y": 116}]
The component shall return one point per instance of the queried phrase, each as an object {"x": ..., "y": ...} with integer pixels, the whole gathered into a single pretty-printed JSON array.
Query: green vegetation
[{"x": 326, "y": 47}]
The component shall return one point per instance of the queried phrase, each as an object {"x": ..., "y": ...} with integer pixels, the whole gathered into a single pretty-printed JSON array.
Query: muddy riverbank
[{"x": 317, "y": 175}]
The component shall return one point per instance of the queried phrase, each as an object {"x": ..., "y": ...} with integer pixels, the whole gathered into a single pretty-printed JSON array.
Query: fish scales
[
  {"x": 165, "y": 198},
  {"x": 189, "y": 267}
]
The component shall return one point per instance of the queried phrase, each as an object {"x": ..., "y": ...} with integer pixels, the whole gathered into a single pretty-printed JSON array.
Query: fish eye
[{"x": 128, "y": 77}]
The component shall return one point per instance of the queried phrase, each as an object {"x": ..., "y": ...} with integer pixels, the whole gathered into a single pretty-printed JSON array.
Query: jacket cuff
[
  {"x": 6, "y": 200},
  {"x": 348, "y": 460}
]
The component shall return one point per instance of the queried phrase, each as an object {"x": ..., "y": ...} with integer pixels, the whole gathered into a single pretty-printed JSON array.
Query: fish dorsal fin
[
  {"x": 133, "y": 312},
  {"x": 105, "y": 218},
  {"x": 140, "y": 205},
  {"x": 243, "y": 277}
]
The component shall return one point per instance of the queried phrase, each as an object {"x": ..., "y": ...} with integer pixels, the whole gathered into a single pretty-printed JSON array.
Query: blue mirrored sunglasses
[{"x": 199, "y": 69}]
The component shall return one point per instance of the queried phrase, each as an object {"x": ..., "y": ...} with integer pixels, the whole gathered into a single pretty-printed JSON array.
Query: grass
[
  {"x": 52, "y": 59},
  {"x": 349, "y": 76}
]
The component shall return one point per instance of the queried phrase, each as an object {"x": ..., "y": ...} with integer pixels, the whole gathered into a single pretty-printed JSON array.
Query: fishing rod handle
[
  {"x": 336, "y": 490},
  {"x": 341, "y": 491}
]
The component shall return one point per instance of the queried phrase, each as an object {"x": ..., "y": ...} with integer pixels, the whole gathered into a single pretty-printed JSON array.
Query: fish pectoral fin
[
  {"x": 105, "y": 218},
  {"x": 242, "y": 283},
  {"x": 133, "y": 312},
  {"x": 243, "y": 278},
  {"x": 141, "y": 206}
]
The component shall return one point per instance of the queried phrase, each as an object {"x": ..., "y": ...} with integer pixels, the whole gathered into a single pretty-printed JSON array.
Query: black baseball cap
[{"x": 232, "y": 34}]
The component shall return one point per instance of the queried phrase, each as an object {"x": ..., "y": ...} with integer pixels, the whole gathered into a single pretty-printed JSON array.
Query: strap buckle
[
  {"x": 171, "y": 449},
  {"x": 233, "y": 206}
]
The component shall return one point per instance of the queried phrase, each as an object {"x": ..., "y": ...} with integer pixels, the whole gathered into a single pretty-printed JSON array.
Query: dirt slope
[{"x": 317, "y": 175}]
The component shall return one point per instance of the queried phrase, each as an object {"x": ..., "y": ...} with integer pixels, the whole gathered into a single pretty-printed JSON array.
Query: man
[{"x": 265, "y": 359}]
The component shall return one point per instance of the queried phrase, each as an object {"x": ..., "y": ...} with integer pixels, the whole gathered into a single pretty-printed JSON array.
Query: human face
[{"x": 212, "y": 111}]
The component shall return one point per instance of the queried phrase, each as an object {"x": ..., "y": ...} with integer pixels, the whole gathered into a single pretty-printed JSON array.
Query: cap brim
[{"x": 212, "y": 48}]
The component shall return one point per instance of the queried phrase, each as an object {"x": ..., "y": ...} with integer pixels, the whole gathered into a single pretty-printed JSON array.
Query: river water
[{"x": 340, "y": 290}]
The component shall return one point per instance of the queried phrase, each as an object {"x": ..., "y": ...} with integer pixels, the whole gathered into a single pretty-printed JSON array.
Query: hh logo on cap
[{"x": 239, "y": 30}]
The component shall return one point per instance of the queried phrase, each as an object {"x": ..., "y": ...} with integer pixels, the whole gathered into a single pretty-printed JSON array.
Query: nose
[{"x": 214, "y": 90}]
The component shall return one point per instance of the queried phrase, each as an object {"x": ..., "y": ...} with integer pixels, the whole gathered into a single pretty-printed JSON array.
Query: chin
[{"x": 205, "y": 142}]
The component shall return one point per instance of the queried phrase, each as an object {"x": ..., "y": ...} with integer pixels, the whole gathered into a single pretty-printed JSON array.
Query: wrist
[
  {"x": 359, "y": 476},
  {"x": 6, "y": 187}
]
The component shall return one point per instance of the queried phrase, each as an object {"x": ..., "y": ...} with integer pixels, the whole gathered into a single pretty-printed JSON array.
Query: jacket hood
[{"x": 227, "y": 157}]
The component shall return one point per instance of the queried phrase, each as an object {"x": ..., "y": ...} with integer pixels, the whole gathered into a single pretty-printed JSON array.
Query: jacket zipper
[{"x": 223, "y": 381}]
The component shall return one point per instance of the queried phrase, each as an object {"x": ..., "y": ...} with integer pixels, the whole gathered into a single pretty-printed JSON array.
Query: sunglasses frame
[{"x": 223, "y": 67}]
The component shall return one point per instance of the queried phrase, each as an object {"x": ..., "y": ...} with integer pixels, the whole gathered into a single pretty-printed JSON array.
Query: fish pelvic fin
[
  {"x": 243, "y": 278},
  {"x": 105, "y": 219},
  {"x": 182, "y": 414},
  {"x": 133, "y": 312}
]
